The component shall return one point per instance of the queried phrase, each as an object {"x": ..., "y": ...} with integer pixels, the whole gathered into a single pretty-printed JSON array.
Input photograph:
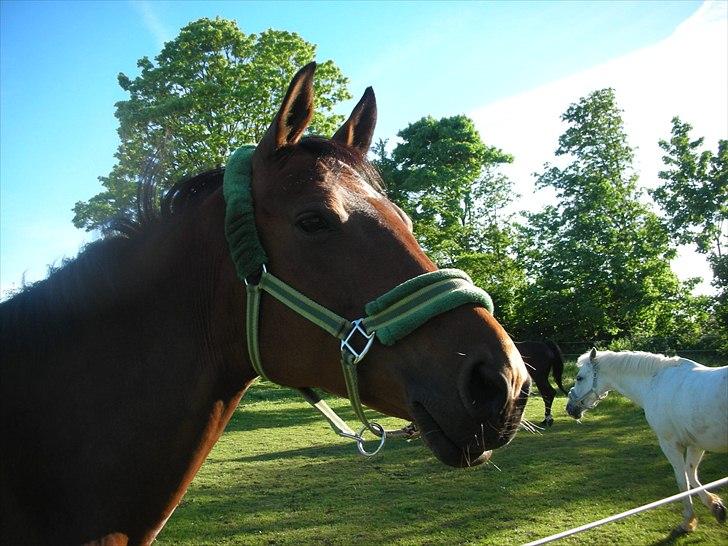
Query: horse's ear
[
  {"x": 359, "y": 128},
  {"x": 593, "y": 353},
  {"x": 294, "y": 114}
]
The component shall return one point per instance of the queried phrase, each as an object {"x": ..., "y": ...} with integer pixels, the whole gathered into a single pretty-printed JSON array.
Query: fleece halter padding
[
  {"x": 245, "y": 248},
  {"x": 408, "y": 306}
]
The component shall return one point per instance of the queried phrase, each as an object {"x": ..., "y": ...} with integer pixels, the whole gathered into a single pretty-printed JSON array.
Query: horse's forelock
[{"x": 332, "y": 150}]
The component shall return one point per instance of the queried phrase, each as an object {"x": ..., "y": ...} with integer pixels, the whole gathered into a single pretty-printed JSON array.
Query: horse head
[
  {"x": 329, "y": 232},
  {"x": 586, "y": 392}
]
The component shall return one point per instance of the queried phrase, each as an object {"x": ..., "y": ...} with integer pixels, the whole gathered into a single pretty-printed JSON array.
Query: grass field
[{"x": 279, "y": 475}]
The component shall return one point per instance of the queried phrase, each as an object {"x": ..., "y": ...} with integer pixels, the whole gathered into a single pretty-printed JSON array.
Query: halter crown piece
[{"x": 389, "y": 318}]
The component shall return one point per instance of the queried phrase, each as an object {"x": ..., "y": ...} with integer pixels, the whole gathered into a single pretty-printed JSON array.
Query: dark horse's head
[{"x": 331, "y": 233}]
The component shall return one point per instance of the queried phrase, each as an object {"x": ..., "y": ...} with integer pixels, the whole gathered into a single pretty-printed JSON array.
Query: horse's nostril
[{"x": 485, "y": 392}]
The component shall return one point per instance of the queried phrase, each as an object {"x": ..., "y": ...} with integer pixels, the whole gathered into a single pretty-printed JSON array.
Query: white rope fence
[{"x": 558, "y": 536}]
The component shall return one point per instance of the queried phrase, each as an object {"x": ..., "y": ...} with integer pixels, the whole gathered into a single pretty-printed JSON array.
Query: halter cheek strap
[{"x": 592, "y": 391}]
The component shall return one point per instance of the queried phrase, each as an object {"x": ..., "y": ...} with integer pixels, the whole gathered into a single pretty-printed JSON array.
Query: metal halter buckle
[
  {"x": 346, "y": 345},
  {"x": 263, "y": 269}
]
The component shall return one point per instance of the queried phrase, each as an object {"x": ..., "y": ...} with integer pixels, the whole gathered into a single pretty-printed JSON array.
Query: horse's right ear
[
  {"x": 359, "y": 128},
  {"x": 593, "y": 354},
  {"x": 294, "y": 114}
]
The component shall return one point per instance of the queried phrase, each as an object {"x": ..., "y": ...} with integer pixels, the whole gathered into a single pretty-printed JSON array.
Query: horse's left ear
[
  {"x": 359, "y": 128},
  {"x": 294, "y": 114},
  {"x": 593, "y": 354}
]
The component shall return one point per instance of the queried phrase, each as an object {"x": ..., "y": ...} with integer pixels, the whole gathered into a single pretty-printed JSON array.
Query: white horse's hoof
[
  {"x": 718, "y": 509},
  {"x": 688, "y": 526}
]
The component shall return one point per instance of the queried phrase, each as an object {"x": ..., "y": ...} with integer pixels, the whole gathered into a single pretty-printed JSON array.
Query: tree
[
  {"x": 694, "y": 196},
  {"x": 599, "y": 260},
  {"x": 446, "y": 178},
  {"x": 440, "y": 175},
  {"x": 212, "y": 89}
]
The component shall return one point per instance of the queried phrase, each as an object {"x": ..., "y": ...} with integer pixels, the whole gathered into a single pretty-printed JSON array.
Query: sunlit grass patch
[{"x": 279, "y": 475}]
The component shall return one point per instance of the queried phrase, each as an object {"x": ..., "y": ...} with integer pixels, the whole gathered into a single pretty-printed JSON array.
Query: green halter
[{"x": 388, "y": 318}]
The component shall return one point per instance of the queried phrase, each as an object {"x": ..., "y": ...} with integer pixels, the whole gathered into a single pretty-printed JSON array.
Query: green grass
[{"x": 279, "y": 475}]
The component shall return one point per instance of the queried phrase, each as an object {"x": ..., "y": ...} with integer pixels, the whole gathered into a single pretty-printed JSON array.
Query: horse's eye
[
  {"x": 579, "y": 378},
  {"x": 312, "y": 223}
]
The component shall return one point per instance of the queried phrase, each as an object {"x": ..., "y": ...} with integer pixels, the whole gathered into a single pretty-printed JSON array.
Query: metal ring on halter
[
  {"x": 360, "y": 439},
  {"x": 264, "y": 269}
]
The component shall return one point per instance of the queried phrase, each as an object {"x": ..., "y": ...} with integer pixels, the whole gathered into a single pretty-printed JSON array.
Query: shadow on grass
[
  {"x": 673, "y": 538},
  {"x": 317, "y": 489}
]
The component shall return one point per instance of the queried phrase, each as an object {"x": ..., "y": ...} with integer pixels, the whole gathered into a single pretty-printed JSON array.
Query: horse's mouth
[
  {"x": 445, "y": 449},
  {"x": 574, "y": 411}
]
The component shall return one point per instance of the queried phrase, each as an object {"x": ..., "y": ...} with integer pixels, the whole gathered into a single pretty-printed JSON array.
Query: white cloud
[
  {"x": 151, "y": 21},
  {"x": 685, "y": 74}
]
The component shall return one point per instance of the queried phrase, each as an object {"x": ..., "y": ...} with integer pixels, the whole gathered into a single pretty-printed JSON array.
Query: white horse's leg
[
  {"x": 675, "y": 454},
  {"x": 713, "y": 502}
]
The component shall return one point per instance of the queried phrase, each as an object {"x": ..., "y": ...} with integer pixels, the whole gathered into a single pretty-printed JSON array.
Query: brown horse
[
  {"x": 543, "y": 358},
  {"x": 121, "y": 370}
]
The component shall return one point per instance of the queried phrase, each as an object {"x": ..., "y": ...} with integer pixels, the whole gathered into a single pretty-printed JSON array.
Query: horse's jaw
[{"x": 444, "y": 448}]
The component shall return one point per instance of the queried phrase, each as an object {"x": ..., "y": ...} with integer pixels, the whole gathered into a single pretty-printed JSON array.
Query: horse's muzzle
[
  {"x": 488, "y": 417},
  {"x": 574, "y": 410}
]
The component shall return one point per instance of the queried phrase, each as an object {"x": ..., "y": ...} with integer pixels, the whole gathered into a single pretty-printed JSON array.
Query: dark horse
[
  {"x": 121, "y": 370},
  {"x": 542, "y": 358}
]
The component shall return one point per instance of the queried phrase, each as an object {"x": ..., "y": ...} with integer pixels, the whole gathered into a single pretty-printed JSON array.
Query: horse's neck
[
  {"x": 633, "y": 385},
  {"x": 157, "y": 362},
  {"x": 200, "y": 324}
]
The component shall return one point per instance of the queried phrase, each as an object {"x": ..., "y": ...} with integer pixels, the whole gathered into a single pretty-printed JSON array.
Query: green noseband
[{"x": 389, "y": 318}]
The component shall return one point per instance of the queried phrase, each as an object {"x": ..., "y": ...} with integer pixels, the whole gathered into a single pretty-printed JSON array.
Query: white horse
[{"x": 685, "y": 403}]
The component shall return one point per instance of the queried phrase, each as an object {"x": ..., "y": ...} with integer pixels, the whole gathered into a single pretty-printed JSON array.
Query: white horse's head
[{"x": 586, "y": 392}]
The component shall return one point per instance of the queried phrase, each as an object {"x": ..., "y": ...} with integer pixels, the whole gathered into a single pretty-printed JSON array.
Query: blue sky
[{"x": 59, "y": 62}]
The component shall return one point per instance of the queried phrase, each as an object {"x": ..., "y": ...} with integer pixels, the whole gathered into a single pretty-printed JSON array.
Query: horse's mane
[
  {"x": 191, "y": 190},
  {"x": 86, "y": 284},
  {"x": 633, "y": 361}
]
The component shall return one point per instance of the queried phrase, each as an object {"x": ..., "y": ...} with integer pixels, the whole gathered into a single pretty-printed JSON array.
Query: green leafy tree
[
  {"x": 210, "y": 90},
  {"x": 694, "y": 192},
  {"x": 694, "y": 196},
  {"x": 599, "y": 260},
  {"x": 439, "y": 175},
  {"x": 446, "y": 178}
]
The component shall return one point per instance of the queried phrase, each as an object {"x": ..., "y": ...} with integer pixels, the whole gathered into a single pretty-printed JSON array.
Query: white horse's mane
[{"x": 633, "y": 361}]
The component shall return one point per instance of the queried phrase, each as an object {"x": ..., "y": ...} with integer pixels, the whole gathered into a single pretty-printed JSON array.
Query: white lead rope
[{"x": 637, "y": 510}]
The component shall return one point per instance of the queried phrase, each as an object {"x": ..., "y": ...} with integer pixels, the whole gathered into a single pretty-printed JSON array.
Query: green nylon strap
[
  {"x": 318, "y": 314},
  {"x": 252, "y": 311},
  {"x": 352, "y": 389}
]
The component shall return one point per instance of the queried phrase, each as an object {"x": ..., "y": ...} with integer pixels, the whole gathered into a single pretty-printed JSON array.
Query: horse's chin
[{"x": 442, "y": 446}]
